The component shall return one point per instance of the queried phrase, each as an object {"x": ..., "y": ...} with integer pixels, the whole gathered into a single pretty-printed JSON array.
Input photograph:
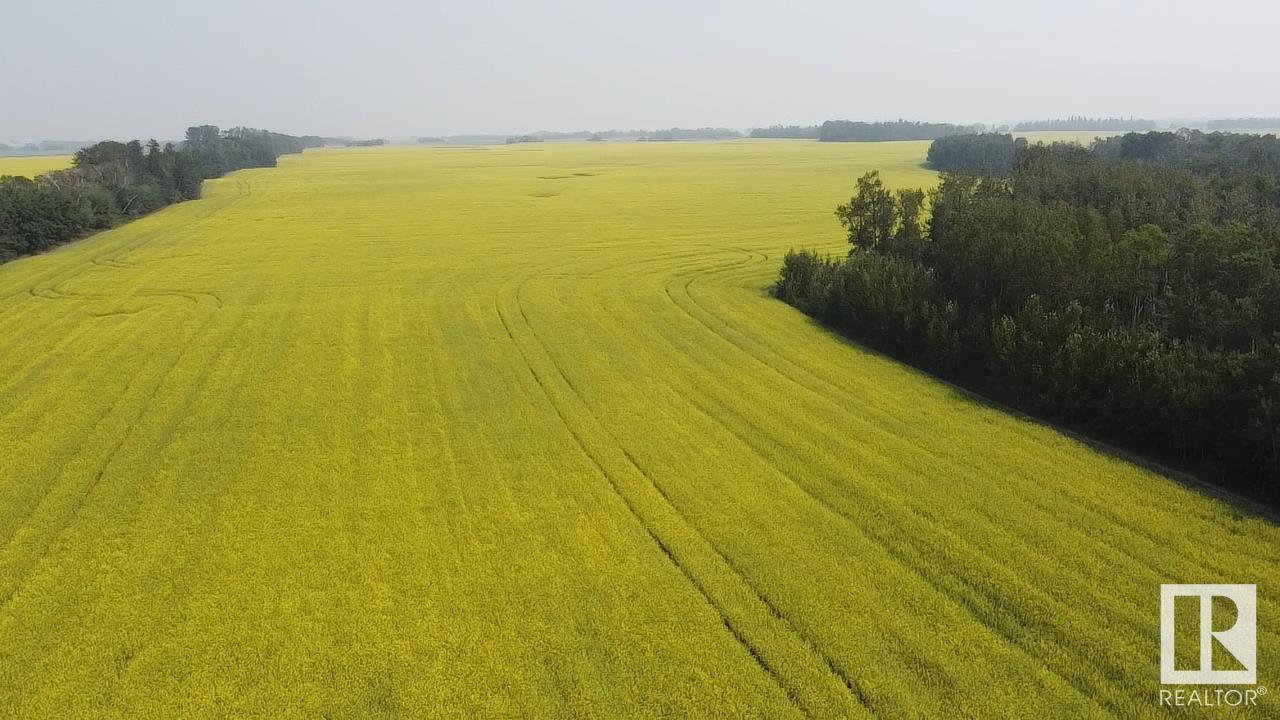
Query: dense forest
[
  {"x": 1130, "y": 290},
  {"x": 981, "y": 154},
  {"x": 1080, "y": 122},
  {"x": 847, "y": 131},
  {"x": 111, "y": 182}
]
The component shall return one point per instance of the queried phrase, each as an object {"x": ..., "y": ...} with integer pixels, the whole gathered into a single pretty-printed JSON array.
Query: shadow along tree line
[
  {"x": 1130, "y": 290},
  {"x": 112, "y": 182}
]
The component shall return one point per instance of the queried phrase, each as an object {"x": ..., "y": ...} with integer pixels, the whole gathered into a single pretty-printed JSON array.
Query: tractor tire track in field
[
  {"x": 83, "y": 440},
  {"x": 46, "y": 287},
  {"x": 751, "y": 256},
  {"x": 39, "y": 363},
  {"x": 730, "y": 626},
  {"x": 111, "y": 262},
  {"x": 920, "y": 659},
  {"x": 828, "y": 388},
  {"x": 897, "y": 552},
  {"x": 49, "y": 285},
  {"x": 960, "y": 595},
  {"x": 68, "y": 517},
  {"x": 182, "y": 582},
  {"x": 798, "y": 690},
  {"x": 850, "y": 683},
  {"x": 192, "y": 296},
  {"x": 111, "y": 247},
  {"x": 888, "y": 547},
  {"x": 65, "y": 517},
  {"x": 640, "y": 520},
  {"x": 884, "y": 540},
  {"x": 182, "y": 588}
]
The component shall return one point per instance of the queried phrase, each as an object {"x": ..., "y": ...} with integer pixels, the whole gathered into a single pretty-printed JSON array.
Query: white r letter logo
[{"x": 1241, "y": 639}]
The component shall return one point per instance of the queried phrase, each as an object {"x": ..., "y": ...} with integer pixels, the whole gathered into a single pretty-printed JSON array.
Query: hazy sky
[{"x": 86, "y": 69}]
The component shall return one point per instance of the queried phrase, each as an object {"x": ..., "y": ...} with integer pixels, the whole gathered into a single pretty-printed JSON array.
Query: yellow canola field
[
  {"x": 33, "y": 165},
  {"x": 518, "y": 432}
]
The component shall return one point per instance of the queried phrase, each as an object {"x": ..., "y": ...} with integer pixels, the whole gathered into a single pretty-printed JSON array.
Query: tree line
[
  {"x": 674, "y": 134},
  {"x": 1254, "y": 123},
  {"x": 1130, "y": 290},
  {"x": 807, "y": 132},
  {"x": 1081, "y": 122},
  {"x": 111, "y": 182},
  {"x": 45, "y": 147},
  {"x": 669, "y": 134},
  {"x": 848, "y": 131}
]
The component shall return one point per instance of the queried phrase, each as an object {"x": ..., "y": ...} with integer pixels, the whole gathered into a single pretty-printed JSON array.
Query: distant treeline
[
  {"x": 1263, "y": 123},
  {"x": 1130, "y": 290},
  {"x": 669, "y": 134},
  {"x": 594, "y": 135},
  {"x": 706, "y": 133},
  {"x": 579, "y": 134},
  {"x": 375, "y": 142},
  {"x": 111, "y": 182},
  {"x": 806, "y": 132},
  {"x": 1080, "y": 122},
  {"x": 849, "y": 131},
  {"x": 46, "y": 147},
  {"x": 846, "y": 131}
]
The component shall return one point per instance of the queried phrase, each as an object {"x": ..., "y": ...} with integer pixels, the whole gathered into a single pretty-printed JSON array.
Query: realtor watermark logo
[
  {"x": 1239, "y": 639},
  {"x": 1227, "y": 647}
]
